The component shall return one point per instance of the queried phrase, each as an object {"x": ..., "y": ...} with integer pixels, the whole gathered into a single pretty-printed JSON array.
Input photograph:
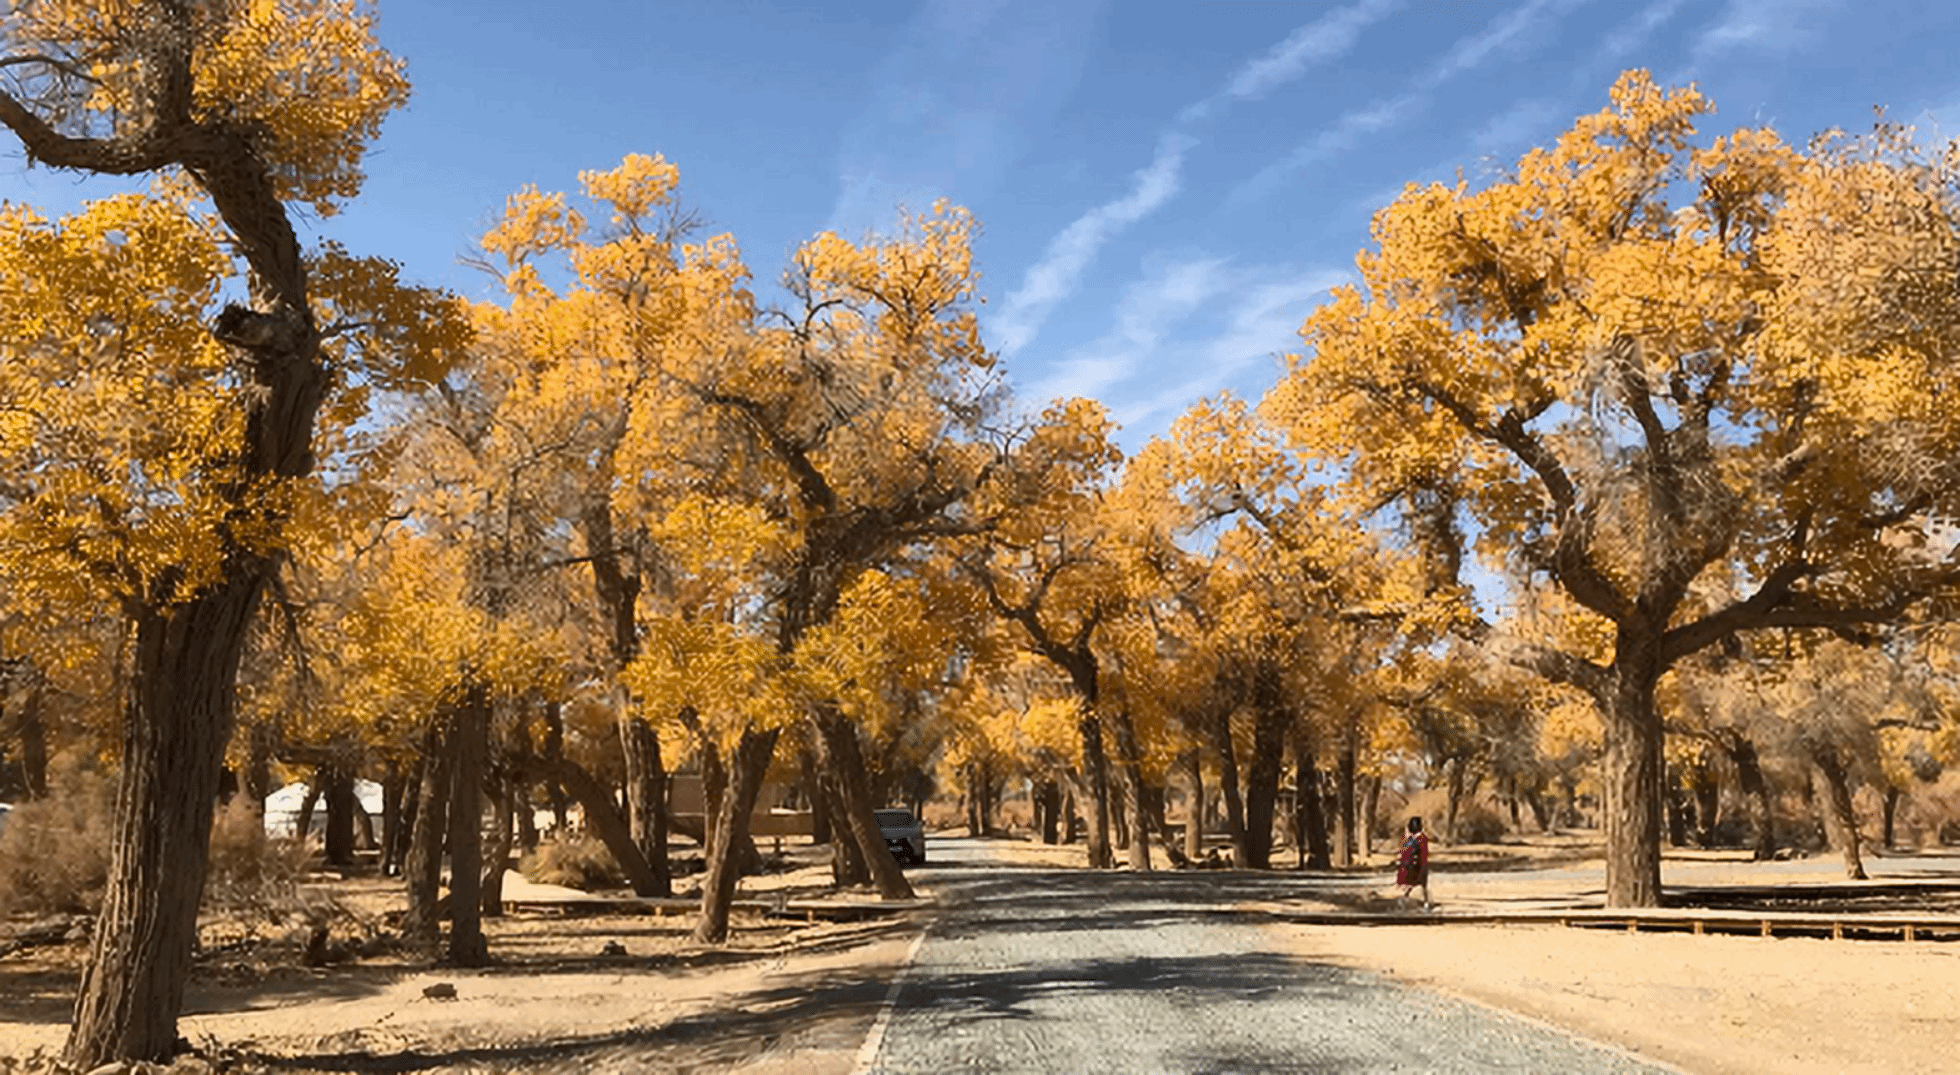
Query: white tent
[{"x": 282, "y": 807}]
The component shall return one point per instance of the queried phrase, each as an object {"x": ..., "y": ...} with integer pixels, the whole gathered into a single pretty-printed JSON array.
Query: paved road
[{"x": 1066, "y": 971}]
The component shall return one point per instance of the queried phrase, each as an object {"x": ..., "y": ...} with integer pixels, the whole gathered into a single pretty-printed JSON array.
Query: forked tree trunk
[
  {"x": 467, "y": 947},
  {"x": 731, "y": 830},
  {"x": 303, "y": 821},
  {"x": 176, "y": 723},
  {"x": 421, "y": 922},
  {"x": 1840, "y": 818},
  {"x": 646, "y": 799},
  {"x": 842, "y": 755}
]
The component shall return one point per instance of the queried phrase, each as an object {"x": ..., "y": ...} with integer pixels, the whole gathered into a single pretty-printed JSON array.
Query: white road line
[{"x": 867, "y": 1054}]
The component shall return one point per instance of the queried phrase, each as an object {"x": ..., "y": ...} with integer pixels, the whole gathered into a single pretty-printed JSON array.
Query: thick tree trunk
[
  {"x": 646, "y": 797},
  {"x": 422, "y": 923},
  {"x": 1344, "y": 767},
  {"x": 1839, "y": 815},
  {"x": 467, "y": 947},
  {"x": 337, "y": 788},
  {"x": 176, "y": 723},
  {"x": 842, "y": 755},
  {"x": 1049, "y": 794},
  {"x": 847, "y": 866},
  {"x": 1887, "y": 833},
  {"x": 1262, "y": 775},
  {"x": 730, "y": 830},
  {"x": 1095, "y": 771},
  {"x": 1068, "y": 815},
  {"x": 1632, "y": 778},
  {"x": 1312, "y": 822}
]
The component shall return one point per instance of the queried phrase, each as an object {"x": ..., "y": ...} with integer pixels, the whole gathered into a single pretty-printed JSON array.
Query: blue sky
[{"x": 1166, "y": 188}]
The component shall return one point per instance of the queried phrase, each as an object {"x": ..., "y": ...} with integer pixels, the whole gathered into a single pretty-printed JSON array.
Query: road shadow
[{"x": 829, "y": 1009}]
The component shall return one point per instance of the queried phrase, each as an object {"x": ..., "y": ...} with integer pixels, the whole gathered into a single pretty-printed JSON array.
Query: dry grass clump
[
  {"x": 580, "y": 862},
  {"x": 54, "y": 852}
]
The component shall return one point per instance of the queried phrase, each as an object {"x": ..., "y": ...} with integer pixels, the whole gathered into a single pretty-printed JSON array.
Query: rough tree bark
[
  {"x": 422, "y": 921},
  {"x": 746, "y": 770},
  {"x": 179, "y": 708},
  {"x": 471, "y": 728},
  {"x": 1633, "y": 772},
  {"x": 841, "y": 752},
  {"x": 1263, "y": 770}
]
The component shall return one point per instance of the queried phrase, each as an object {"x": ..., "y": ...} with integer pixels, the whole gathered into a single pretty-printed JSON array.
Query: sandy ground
[{"x": 1714, "y": 1005}]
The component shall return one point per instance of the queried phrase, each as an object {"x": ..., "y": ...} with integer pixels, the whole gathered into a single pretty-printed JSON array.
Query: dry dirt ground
[{"x": 793, "y": 997}]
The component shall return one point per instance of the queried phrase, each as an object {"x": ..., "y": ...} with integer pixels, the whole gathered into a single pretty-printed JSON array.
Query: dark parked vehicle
[{"x": 904, "y": 834}]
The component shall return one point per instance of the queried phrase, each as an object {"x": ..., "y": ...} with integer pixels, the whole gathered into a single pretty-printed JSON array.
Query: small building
[{"x": 282, "y": 807}]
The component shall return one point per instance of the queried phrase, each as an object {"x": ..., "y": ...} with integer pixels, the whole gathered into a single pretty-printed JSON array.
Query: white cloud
[
  {"x": 953, "y": 101},
  {"x": 1316, "y": 42},
  {"x": 1634, "y": 34},
  {"x": 1148, "y": 309},
  {"x": 1777, "y": 27},
  {"x": 1347, "y": 131},
  {"x": 1055, "y": 276},
  {"x": 1233, "y": 318}
]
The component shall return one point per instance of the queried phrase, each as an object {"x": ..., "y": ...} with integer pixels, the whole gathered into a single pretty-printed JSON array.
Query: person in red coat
[{"x": 1412, "y": 866}]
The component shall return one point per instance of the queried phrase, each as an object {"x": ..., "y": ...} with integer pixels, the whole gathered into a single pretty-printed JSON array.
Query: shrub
[
  {"x": 250, "y": 871},
  {"x": 54, "y": 852},
  {"x": 580, "y": 862}
]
